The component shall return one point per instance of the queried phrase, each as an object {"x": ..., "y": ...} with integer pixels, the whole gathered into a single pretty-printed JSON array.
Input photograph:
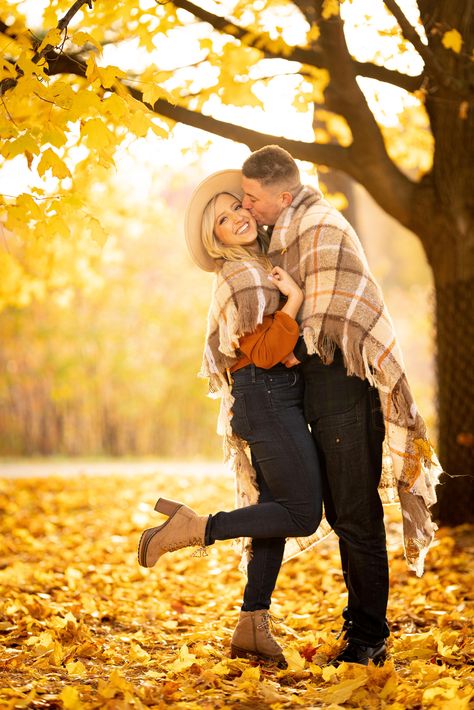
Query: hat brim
[{"x": 222, "y": 181}]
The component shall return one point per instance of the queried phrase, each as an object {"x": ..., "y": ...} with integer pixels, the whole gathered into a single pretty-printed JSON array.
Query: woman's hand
[
  {"x": 291, "y": 361},
  {"x": 284, "y": 282},
  {"x": 289, "y": 288}
]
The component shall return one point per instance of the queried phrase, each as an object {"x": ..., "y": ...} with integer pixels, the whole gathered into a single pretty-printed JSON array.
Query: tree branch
[
  {"x": 408, "y": 31},
  {"x": 295, "y": 54},
  {"x": 432, "y": 65},
  {"x": 334, "y": 156},
  {"x": 331, "y": 155},
  {"x": 410, "y": 83},
  {"x": 312, "y": 57},
  {"x": 371, "y": 164},
  {"x": 368, "y": 164},
  {"x": 62, "y": 24}
]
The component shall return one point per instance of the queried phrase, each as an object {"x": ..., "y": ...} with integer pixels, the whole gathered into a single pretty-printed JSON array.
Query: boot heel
[
  {"x": 167, "y": 507},
  {"x": 236, "y": 652}
]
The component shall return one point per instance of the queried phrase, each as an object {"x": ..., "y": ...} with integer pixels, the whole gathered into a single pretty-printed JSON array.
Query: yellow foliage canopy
[{"x": 66, "y": 108}]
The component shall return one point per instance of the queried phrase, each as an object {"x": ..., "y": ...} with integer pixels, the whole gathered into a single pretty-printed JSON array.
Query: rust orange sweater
[{"x": 270, "y": 343}]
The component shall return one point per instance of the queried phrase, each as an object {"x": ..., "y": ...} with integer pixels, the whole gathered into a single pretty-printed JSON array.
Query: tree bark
[
  {"x": 444, "y": 221},
  {"x": 455, "y": 358}
]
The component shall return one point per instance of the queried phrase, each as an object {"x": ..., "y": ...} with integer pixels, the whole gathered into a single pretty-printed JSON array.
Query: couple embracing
[{"x": 301, "y": 349}]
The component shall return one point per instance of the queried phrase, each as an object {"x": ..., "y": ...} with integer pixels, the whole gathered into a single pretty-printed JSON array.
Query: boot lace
[
  {"x": 201, "y": 551},
  {"x": 195, "y": 542},
  {"x": 268, "y": 623},
  {"x": 344, "y": 629}
]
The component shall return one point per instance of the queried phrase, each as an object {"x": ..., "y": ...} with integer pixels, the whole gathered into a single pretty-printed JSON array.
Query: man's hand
[{"x": 291, "y": 361}]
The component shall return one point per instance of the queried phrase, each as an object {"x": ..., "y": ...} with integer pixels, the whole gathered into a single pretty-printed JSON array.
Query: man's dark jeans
[
  {"x": 347, "y": 426},
  {"x": 268, "y": 413}
]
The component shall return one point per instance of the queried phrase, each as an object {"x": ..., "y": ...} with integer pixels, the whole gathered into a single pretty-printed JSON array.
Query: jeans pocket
[
  {"x": 279, "y": 380},
  {"x": 239, "y": 421},
  {"x": 340, "y": 432}
]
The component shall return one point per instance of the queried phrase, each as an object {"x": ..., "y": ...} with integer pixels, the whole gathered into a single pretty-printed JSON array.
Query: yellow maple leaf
[
  {"x": 250, "y": 674},
  {"x": 313, "y": 34},
  {"x": 54, "y": 135},
  {"x": 82, "y": 38},
  {"x": 151, "y": 94},
  {"x": 20, "y": 145},
  {"x": 115, "y": 106},
  {"x": 341, "y": 692},
  {"x": 70, "y": 698},
  {"x": 53, "y": 38},
  {"x": 139, "y": 124},
  {"x": 84, "y": 103},
  {"x": 75, "y": 668},
  {"x": 221, "y": 668},
  {"x": 96, "y": 133},
  {"x": 116, "y": 684},
  {"x": 91, "y": 68},
  {"x": 329, "y": 672},
  {"x": 330, "y": 9},
  {"x": 51, "y": 161},
  {"x": 294, "y": 659},
  {"x": 109, "y": 75},
  {"x": 30, "y": 68},
  {"x": 58, "y": 654},
  {"x": 184, "y": 660},
  {"x": 137, "y": 654},
  {"x": 452, "y": 40}
]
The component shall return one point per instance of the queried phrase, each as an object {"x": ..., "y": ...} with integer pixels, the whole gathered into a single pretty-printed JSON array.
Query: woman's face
[{"x": 233, "y": 225}]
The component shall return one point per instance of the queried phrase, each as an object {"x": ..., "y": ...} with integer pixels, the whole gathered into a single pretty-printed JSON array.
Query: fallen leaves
[{"x": 84, "y": 627}]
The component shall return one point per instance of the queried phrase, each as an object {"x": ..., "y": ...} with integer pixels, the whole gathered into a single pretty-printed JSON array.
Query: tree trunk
[
  {"x": 455, "y": 358},
  {"x": 446, "y": 228}
]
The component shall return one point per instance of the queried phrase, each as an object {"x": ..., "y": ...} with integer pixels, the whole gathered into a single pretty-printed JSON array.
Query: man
[{"x": 349, "y": 357}]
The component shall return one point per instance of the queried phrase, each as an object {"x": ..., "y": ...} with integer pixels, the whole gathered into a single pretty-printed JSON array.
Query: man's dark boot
[
  {"x": 355, "y": 652},
  {"x": 347, "y": 623}
]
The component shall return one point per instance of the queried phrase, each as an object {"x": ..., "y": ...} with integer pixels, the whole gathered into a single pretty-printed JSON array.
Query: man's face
[{"x": 265, "y": 203}]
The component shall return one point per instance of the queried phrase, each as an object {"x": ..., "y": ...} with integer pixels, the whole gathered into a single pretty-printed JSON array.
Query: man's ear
[{"x": 286, "y": 198}]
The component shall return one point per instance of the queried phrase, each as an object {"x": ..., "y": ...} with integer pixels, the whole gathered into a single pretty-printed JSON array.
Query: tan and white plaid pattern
[
  {"x": 241, "y": 297},
  {"x": 344, "y": 307}
]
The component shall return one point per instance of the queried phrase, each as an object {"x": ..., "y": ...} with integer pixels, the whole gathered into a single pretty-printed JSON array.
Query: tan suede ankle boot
[
  {"x": 253, "y": 636},
  {"x": 184, "y": 528}
]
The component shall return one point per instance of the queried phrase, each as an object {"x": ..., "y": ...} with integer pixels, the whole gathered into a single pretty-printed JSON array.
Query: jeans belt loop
[{"x": 252, "y": 369}]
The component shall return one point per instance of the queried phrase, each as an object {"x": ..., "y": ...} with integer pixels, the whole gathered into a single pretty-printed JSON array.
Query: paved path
[{"x": 25, "y": 468}]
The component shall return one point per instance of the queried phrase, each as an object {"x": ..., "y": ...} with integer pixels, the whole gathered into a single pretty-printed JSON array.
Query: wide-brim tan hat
[{"x": 222, "y": 181}]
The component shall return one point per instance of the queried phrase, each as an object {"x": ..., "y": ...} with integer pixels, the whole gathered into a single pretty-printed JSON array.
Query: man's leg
[{"x": 348, "y": 429}]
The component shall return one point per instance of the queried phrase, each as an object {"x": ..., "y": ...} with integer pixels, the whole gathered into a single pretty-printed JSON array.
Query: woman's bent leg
[{"x": 268, "y": 413}]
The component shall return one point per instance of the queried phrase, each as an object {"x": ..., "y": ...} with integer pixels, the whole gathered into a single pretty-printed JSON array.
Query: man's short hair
[{"x": 272, "y": 165}]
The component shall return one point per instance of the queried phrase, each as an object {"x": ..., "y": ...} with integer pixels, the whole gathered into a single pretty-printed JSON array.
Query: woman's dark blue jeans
[{"x": 268, "y": 414}]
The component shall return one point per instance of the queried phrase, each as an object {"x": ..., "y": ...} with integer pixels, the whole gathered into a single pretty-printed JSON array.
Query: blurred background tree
[
  {"x": 103, "y": 74},
  {"x": 110, "y": 367}
]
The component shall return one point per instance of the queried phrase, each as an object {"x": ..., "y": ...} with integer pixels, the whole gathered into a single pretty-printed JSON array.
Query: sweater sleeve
[{"x": 272, "y": 341}]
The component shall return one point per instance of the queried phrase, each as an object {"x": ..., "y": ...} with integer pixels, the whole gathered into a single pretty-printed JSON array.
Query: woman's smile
[{"x": 233, "y": 225}]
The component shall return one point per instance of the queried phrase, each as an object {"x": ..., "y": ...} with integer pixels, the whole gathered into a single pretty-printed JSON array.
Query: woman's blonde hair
[{"x": 216, "y": 249}]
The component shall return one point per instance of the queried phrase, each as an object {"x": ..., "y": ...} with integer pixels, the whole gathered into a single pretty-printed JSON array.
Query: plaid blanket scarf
[
  {"x": 242, "y": 296},
  {"x": 344, "y": 307}
]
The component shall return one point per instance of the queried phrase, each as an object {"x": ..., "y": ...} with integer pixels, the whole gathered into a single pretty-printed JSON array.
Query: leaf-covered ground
[{"x": 83, "y": 626}]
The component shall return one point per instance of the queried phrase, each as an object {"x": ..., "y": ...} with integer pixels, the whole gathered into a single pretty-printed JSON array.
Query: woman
[{"x": 249, "y": 337}]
